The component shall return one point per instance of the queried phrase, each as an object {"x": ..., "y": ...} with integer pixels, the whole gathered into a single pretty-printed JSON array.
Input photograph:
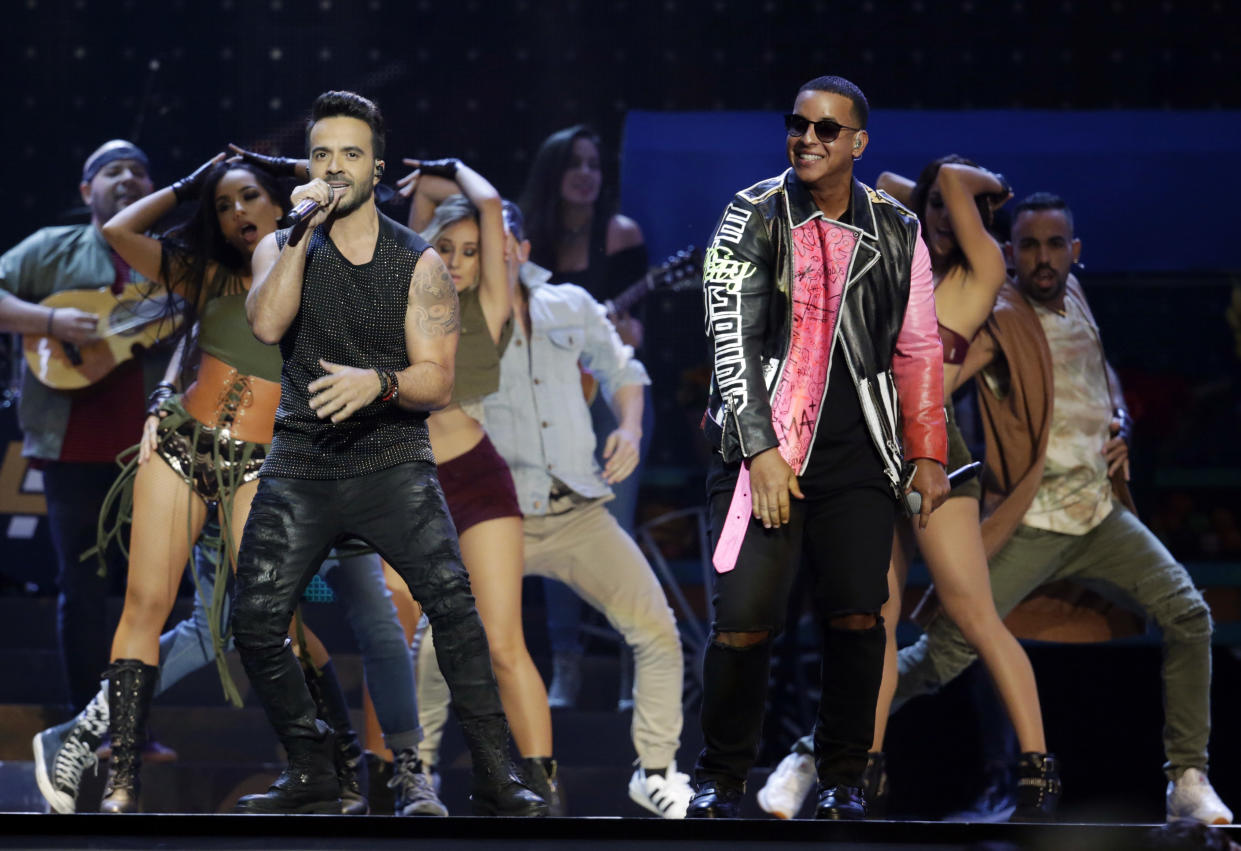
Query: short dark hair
[
  {"x": 351, "y": 105},
  {"x": 841, "y": 86},
  {"x": 1040, "y": 201}
]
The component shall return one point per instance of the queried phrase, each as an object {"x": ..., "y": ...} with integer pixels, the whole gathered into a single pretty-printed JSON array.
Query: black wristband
[
  {"x": 446, "y": 167},
  {"x": 162, "y": 392}
]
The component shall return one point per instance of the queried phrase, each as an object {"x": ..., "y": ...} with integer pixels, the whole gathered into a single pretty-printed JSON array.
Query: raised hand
[{"x": 191, "y": 186}]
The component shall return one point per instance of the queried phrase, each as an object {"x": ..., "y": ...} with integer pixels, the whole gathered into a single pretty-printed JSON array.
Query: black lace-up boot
[
  {"x": 1038, "y": 787},
  {"x": 351, "y": 769},
  {"x": 498, "y": 791},
  {"x": 131, "y": 685}
]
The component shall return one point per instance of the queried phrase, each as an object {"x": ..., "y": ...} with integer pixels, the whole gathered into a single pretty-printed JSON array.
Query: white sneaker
[
  {"x": 667, "y": 795},
  {"x": 1191, "y": 796},
  {"x": 787, "y": 787}
]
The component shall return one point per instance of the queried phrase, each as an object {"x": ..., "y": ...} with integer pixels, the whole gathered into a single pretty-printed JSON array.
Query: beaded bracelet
[{"x": 393, "y": 390}]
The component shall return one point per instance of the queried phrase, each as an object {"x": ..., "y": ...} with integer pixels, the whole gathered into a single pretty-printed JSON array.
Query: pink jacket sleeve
[{"x": 918, "y": 366}]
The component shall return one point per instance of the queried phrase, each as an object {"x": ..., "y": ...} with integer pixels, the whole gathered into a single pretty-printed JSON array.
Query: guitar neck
[{"x": 631, "y": 295}]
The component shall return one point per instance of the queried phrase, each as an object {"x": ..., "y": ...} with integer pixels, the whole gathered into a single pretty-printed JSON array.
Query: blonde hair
[{"x": 453, "y": 209}]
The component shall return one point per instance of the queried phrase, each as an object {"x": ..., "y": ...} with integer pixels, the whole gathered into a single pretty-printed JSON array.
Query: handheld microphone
[
  {"x": 912, "y": 504},
  {"x": 305, "y": 209}
]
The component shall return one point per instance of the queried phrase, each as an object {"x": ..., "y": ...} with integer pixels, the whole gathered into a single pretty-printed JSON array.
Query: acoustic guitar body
[{"x": 130, "y": 321}]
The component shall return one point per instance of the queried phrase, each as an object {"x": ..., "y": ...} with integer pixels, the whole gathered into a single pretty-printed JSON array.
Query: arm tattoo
[{"x": 434, "y": 302}]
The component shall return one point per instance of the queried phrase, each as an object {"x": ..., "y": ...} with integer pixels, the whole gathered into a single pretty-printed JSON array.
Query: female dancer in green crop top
[
  {"x": 203, "y": 446},
  {"x": 467, "y": 230}
]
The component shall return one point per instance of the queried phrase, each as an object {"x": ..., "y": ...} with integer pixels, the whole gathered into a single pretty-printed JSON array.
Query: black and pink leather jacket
[{"x": 885, "y": 321}]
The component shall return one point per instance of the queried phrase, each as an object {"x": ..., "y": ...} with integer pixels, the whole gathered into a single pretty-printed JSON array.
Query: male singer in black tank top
[{"x": 365, "y": 314}]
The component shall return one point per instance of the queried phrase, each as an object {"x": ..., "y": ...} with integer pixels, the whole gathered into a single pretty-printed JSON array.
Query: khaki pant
[
  {"x": 1123, "y": 561},
  {"x": 586, "y": 549}
]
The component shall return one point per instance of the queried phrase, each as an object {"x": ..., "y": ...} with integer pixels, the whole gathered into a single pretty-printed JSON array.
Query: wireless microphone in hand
[
  {"x": 912, "y": 503},
  {"x": 307, "y": 208}
]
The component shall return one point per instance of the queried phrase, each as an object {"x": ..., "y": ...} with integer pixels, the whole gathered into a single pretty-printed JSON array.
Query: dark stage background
[{"x": 1132, "y": 110}]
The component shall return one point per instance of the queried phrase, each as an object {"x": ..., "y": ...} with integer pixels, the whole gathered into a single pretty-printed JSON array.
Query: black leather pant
[{"x": 400, "y": 511}]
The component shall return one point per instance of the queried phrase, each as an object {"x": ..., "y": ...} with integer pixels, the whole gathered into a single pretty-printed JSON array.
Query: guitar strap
[{"x": 123, "y": 273}]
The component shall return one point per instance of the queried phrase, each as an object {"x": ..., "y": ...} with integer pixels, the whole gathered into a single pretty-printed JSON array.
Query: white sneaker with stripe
[{"x": 665, "y": 795}]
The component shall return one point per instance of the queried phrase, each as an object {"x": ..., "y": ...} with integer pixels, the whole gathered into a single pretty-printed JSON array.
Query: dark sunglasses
[{"x": 825, "y": 131}]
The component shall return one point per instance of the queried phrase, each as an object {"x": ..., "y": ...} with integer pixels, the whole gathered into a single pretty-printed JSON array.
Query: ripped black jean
[
  {"x": 400, "y": 511},
  {"x": 844, "y": 534}
]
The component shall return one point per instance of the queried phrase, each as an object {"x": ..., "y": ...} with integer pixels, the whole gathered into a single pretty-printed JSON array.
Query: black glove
[
  {"x": 188, "y": 188},
  {"x": 446, "y": 167},
  {"x": 275, "y": 166},
  {"x": 155, "y": 402}
]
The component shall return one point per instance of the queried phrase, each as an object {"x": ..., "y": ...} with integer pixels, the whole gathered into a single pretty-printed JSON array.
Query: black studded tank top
[{"x": 354, "y": 316}]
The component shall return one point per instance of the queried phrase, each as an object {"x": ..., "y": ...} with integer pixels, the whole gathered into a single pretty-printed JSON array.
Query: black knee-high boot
[
  {"x": 131, "y": 685},
  {"x": 308, "y": 784},
  {"x": 852, "y": 668},
  {"x": 734, "y": 697},
  {"x": 351, "y": 768}
]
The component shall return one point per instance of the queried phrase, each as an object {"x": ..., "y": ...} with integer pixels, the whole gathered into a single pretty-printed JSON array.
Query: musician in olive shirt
[{"x": 74, "y": 438}]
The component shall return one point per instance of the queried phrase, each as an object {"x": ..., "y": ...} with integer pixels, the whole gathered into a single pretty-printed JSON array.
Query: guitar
[
  {"x": 134, "y": 319},
  {"x": 679, "y": 272}
]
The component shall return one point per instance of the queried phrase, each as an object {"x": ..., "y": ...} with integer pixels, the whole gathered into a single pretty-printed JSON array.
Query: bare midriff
[{"x": 453, "y": 433}]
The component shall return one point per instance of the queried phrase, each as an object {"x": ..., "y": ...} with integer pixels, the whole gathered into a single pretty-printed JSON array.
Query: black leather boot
[
  {"x": 498, "y": 791},
  {"x": 715, "y": 800},
  {"x": 1038, "y": 787},
  {"x": 131, "y": 685},
  {"x": 542, "y": 774},
  {"x": 307, "y": 785},
  {"x": 841, "y": 803},
  {"x": 351, "y": 768},
  {"x": 379, "y": 773}
]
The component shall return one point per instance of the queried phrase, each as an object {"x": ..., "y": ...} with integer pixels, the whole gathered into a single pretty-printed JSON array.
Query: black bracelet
[{"x": 50, "y": 316}]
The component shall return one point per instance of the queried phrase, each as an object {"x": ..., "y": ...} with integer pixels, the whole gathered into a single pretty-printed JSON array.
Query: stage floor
[{"x": 274, "y": 833}]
